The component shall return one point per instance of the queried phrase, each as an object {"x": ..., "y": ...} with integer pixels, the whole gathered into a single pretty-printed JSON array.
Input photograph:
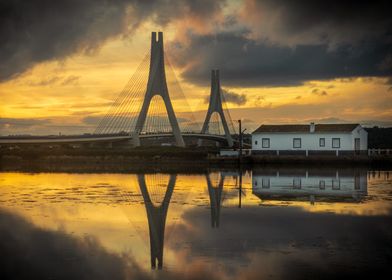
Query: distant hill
[{"x": 379, "y": 137}]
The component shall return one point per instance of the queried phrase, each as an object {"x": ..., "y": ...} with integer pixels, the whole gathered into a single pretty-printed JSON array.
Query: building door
[{"x": 357, "y": 145}]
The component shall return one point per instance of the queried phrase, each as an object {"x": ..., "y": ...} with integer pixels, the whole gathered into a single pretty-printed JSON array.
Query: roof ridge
[{"x": 342, "y": 127}]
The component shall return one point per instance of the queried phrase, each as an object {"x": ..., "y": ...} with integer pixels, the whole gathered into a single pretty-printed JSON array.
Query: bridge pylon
[
  {"x": 156, "y": 216},
  {"x": 157, "y": 85},
  {"x": 215, "y": 105}
]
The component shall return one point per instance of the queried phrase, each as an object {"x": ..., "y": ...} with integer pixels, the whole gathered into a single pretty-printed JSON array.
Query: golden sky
[{"x": 57, "y": 93}]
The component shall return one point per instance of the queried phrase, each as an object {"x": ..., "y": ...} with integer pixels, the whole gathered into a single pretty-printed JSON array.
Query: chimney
[{"x": 312, "y": 127}]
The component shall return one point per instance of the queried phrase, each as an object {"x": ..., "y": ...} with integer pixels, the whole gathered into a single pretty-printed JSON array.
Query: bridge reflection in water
[
  {"x": 157, "y": 191},
  {"x": 300, "y": 184},
  {"x": 156, "y": 215},
  {"x": 215, "y": 188}
]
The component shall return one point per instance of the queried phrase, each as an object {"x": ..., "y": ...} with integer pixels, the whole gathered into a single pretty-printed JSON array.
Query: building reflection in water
[{"x": 301, "y": 184}]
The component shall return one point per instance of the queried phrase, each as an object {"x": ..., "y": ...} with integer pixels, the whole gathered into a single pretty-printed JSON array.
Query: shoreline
[{"x": 124, "y": 164}]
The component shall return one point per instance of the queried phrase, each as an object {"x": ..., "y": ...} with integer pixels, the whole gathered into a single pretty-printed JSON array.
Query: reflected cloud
[
  {"x": 31, "y": 252},
  {"x": 283, "y": 242}
]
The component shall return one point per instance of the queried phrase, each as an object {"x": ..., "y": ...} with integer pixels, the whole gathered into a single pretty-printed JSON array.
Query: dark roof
[{"x": 303, "y": 128}]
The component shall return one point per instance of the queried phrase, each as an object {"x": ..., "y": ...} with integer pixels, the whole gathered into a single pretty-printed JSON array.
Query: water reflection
[
  {"x": 156, "y": 215},
  {"x": 310, "y": 184},
  {"x": 283, "y": 184},
  {"x": 159, "y": 187},
  {"x": 215, "y": 194},
  {"x": 192, "y": 222}
]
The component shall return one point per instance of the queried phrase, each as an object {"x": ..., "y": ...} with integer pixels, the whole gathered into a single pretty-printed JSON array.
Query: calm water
[{"x": 281, "y": 223}]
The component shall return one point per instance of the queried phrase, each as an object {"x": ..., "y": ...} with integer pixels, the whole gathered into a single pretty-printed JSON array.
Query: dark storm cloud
[
  {"x": 35, "y": 31},
  {"x": 283, "y": 42},
  {"x": 247, "y": 62},
  {"x": 40, "y": 30},
  {"x": 329, "y": 21}
]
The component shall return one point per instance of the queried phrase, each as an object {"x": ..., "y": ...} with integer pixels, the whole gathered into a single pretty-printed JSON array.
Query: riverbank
[{"x": 162, "y": 159}]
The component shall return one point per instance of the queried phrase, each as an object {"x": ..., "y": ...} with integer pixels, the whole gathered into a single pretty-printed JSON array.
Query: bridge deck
[{"x": 92, "y": 139}]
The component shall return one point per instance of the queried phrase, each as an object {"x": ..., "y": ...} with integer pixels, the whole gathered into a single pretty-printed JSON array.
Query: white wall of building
[{"x": 310, "y": 141}]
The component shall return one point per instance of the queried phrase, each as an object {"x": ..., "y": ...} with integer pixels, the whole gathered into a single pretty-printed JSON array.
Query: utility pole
[
  {"x": 240, "y": 141},
  {"x": 240, "y": 189},
  {"x": 240, "y": 161}
]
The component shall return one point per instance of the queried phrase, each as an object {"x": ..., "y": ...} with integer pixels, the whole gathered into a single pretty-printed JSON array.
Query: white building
[{"x": 309, "y": 138}]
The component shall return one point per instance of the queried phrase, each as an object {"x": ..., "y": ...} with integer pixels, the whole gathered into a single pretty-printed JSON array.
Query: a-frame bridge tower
[
  {"x": 157, "y": 85},
  {"x": 215, "y": 106}
]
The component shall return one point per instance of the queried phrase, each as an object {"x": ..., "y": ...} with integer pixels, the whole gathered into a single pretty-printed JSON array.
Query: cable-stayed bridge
[{"x": 152, "y": 105}]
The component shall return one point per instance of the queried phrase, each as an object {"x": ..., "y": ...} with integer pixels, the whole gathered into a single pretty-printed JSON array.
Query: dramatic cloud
[
  {"x": 263, "y": 43},
  {"x": 234, "y": 98},
  {"x": 246, "y": 62},
  {"x": 283, "y": 43},
  {"x": 312, "y": 22},
  {"x": 40, "y": 30},
  {"x": 230, "y": 97}
]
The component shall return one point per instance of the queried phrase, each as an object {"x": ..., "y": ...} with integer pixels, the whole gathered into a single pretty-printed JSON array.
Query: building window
[
  {"x": 336, "y": 143},
  {"x": 297, "y": 143},
  {"x": 357, "y": 182},
  {"x": 297, "y": 183},
  {"x": 322, "y": 142},
  {"x": 265, "y": 143},
  {"x": 322, "y": 185},
  {"x": 265, "y": 183},
  {"x": 255, "y": 142}
]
